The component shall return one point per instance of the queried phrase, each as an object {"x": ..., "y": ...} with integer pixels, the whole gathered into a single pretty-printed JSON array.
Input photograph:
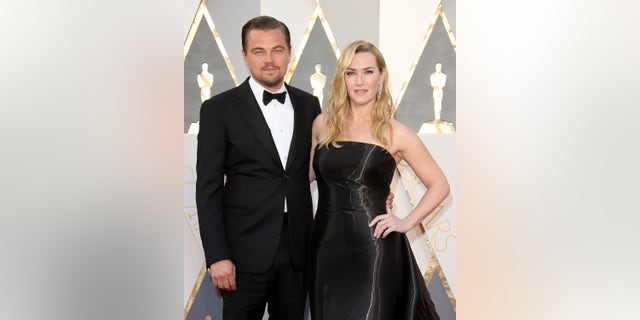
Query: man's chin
[{"x": 271, "y": 81}]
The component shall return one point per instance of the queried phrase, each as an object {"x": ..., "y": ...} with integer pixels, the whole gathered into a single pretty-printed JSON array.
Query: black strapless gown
[{"x": 352, "y": 274}]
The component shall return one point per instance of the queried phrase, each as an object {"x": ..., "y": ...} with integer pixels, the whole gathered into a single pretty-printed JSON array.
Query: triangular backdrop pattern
[
  {"x": 318, "y": 49},
  {"x": 416, "y": 104},
  {"x": 204, "y": 48}
]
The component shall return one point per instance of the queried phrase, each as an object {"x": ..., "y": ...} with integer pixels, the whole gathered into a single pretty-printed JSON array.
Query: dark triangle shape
[
  {"x": 318, "y": 49},
  {"x": 204, "y": 48},
  {"x": 440, "y": 298},
  {"x": 416, "y": 106},
  {"x": 206, "y": 301}
]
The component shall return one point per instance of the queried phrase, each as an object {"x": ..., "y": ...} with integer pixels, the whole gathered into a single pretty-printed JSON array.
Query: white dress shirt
[{"x": 279, "y": 118}]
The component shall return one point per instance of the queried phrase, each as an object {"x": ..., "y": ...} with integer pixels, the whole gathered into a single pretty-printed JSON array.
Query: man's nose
[{"x": 268, "y": 57}]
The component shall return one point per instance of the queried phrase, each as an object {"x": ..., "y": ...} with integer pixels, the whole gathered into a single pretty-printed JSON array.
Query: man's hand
[
  {"x": 223, "y": 275},
  {"x": 390, "y": 202}
]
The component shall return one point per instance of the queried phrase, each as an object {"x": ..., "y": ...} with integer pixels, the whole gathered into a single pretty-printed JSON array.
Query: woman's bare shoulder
[{"x": 400, "y": 129}]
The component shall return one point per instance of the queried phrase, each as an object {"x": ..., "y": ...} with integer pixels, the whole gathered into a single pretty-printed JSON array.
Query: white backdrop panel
[{"x": 441, "y": 226}]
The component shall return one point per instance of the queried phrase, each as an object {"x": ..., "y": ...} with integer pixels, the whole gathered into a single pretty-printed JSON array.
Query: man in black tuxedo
[{"x": 255, "y": 227}]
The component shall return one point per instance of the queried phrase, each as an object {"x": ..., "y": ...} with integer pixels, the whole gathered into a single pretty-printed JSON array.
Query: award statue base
[
  {"x": 437, "y": 126},
  {"x": 194, "y": 128}
]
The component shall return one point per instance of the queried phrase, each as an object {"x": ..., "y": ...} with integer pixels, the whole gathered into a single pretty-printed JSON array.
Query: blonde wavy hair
[{"x": 338, "y": 110}]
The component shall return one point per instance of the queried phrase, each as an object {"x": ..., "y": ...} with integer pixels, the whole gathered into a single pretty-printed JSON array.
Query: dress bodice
[{"x": 356, "y": 176}]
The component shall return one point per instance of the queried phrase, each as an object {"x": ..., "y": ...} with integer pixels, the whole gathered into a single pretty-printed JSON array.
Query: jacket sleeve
[
  {"x": 210, "y": 183},
  {"x": 316, "y": 107}
]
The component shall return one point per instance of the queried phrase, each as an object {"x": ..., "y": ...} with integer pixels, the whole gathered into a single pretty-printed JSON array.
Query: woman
[{"x": 362, "y": 266}]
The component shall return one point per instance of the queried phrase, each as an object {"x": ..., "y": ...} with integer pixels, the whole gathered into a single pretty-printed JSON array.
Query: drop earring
[{"x": 379, "y": 92}]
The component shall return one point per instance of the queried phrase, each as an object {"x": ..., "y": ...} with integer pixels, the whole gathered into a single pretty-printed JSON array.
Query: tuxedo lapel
[
  {"x": 250, "y": 111},
  {"x": 298, "y": 122}
]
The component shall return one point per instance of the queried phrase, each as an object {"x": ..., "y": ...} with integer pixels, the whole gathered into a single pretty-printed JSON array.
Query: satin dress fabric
[{"x": 352, "y": 274}]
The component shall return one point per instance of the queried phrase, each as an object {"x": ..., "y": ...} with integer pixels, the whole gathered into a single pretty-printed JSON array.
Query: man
[{"x": 255, "y": 227}]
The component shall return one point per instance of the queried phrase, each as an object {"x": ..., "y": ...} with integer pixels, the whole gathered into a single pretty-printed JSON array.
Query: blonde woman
[{"x": 361, "y": 263}]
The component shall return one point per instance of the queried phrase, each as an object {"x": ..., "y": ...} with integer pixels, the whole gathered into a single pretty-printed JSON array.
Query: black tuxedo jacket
[{"x": 242, "y": 219}]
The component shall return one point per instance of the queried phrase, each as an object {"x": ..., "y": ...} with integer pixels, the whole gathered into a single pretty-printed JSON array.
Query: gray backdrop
[
  {"x": 416, "y": 106},
  {"x": 203, "y": 49},
  {"x": 317, "y": 50}
]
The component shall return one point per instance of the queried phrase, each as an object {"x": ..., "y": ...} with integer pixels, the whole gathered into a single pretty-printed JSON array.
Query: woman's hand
[{"x": 387, "y": 223}]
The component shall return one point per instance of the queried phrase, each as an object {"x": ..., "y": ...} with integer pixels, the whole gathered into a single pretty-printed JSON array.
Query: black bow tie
[{"x": 268, "y": 96}]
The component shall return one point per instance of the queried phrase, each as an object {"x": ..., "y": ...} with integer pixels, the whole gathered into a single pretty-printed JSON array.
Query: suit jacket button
[{"x": 286, "y": 177}]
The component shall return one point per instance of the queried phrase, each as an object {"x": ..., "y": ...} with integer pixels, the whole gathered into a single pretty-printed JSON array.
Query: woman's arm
[{"x": 413, "y": 151}]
